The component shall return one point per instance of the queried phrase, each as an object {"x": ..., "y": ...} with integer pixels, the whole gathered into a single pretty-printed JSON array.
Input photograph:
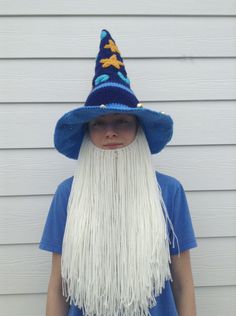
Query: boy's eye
[
  {"x": 122, "y": 121},
  {"x": 97, "y": 123},
  {"x": 119, "y": 123}
]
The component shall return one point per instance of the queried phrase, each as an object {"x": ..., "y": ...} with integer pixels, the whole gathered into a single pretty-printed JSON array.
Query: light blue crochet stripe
[
  {"x": 109, "y": 106},
  {"x": 103, "y": 34},
  {"x": 112, "y": 84}
]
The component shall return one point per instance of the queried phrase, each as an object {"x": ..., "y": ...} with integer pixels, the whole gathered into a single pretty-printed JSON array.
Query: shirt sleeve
[
  {"x": 54, "y": 228},
  {"x": 182, "y": 224}
]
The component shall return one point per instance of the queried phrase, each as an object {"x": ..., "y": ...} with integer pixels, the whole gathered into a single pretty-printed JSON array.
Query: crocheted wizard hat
[{"x": 111, "y": 93}]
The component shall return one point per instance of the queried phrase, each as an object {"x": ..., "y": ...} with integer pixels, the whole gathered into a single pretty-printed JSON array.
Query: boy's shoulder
[
  {"x": 65, "y": 185},
  {"x": 168, "y": 182}
]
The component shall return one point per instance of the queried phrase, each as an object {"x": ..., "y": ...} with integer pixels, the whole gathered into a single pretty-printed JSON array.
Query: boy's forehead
[{"x": 112, "y": 115}]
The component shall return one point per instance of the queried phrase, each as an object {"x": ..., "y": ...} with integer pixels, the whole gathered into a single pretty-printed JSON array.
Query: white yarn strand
[{"x": 115, "y": 257}]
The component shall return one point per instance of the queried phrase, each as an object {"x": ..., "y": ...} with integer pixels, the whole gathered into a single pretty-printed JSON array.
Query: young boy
[{"x": 120, "y": 233}]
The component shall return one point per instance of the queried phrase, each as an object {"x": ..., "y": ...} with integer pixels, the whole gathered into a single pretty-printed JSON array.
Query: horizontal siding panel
[
  {"x": 197, "y": 167},
  {"x": 201, "y": 123},
  {"x": 23, "y": 217},
  {"x": 149, "y": 7},
  {"x": 213, "y": 213},
  {"x": 153, "y": 79},
  {"x": 23, "y": 305},
  {"x": 25, "y": 268},
  {"x": 215, "y": 301},
  {"x": 214, "y": 256},
  {"x": 194, "y": 123},
  {"x": 63, "y": 37}
]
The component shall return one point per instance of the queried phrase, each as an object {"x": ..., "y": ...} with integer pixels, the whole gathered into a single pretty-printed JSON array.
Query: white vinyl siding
[{"x": 181, "y": 59}]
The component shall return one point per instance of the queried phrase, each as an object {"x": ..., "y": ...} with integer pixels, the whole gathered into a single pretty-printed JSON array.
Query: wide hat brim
[{"x": 71, "y": 127}]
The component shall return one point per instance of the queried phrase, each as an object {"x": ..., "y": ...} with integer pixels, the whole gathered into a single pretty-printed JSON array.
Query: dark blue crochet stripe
[{"x": 112, "y": 84}]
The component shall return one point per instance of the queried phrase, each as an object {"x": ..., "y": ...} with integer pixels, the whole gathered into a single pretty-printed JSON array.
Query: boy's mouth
[{"x": 112, "y": 145}]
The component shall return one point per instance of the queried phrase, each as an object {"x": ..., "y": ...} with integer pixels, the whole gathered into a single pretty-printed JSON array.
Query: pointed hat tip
[{"x": 104, "y": 33}]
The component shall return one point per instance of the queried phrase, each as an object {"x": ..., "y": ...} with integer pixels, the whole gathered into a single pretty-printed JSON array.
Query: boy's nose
[{"x": 110, "y": 130}]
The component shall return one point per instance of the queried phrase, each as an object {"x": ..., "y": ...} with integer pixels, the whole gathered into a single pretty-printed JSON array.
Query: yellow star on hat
[
  {"x": 112, "y": 46},
  {"x": 112, "y": 61}
]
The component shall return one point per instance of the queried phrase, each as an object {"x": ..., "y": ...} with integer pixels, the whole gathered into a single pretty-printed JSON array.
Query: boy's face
[{"x": 113, "y": 130}]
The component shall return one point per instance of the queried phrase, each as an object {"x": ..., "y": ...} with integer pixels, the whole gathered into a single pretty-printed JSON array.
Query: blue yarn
[
  {"x": 157, "y": 127},
  {"x": 126, "y": 80},
  {"x": 111, "y": 88},
  {"x": 112, "y": 84},
  {"x": 101, "y": 78},
  {"x": 103, "y": 34}
]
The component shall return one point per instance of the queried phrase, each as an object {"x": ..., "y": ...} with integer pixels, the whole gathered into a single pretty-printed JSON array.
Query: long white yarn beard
[{"x": 115, "y": 257}]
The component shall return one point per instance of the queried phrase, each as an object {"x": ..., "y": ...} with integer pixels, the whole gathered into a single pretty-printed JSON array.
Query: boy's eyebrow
[
  {"x": 104, "y": 116},
  {"x": 115, "y": 115}
]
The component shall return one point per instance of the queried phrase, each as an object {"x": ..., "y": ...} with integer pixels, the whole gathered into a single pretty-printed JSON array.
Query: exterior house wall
[{"x": 180, "y": 57}]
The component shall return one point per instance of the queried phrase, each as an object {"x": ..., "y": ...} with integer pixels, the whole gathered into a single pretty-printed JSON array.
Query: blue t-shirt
[{"x": 176, "y": 204}]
